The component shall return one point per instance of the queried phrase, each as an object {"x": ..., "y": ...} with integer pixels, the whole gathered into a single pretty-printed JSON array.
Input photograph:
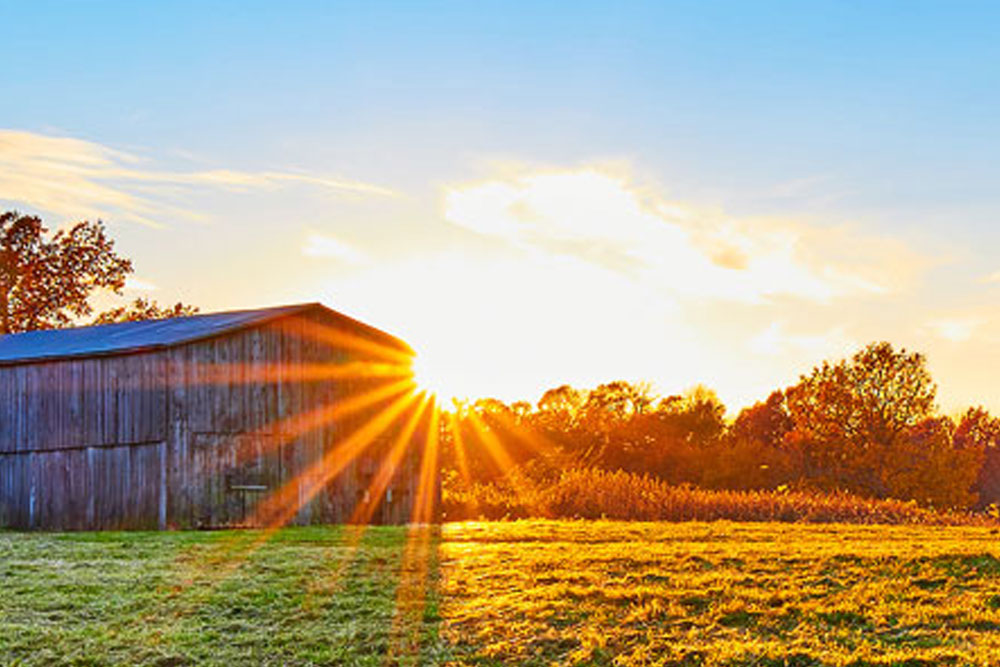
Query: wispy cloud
[
  {"x": 776, "y": 340},
  {"x": 955, "y": 330},
  {"x": 75, "y": 179},
  {"x": 992, "y": 278},
  {"x": 139, "y": 285},
  {"x": 322, "y": 245},
  {"x": 602, "y": 217}
]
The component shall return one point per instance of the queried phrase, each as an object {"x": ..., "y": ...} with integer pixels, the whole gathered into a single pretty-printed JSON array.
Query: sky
[{"x": 533, "y": 194}]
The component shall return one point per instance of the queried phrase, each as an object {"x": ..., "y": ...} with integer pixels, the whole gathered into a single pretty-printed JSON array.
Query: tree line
[{"x": 868, "y": 425}]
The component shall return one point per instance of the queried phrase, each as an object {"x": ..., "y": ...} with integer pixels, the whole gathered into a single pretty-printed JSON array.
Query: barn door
[{"x": 233, "y": 474}]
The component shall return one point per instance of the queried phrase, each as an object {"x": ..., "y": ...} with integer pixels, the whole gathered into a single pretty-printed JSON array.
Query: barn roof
[{"x": 109, "y": 339}]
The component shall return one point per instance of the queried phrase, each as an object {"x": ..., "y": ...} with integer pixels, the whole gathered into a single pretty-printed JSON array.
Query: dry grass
[
  {"x": 714, "y": 594},
  {"x": 597, "y": 494}
]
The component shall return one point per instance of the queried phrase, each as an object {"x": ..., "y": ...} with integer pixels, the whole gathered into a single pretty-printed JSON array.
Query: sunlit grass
[
  {"x": 602, "y": 593},
  {"x": 302, "y": 598},
  {"x": 513, "y": 593}
]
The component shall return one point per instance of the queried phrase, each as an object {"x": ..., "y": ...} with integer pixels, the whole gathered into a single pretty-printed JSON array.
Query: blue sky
[{"x": 370, "y": 151}]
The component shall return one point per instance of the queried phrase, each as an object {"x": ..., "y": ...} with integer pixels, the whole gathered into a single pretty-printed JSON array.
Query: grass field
[
  {"x": 541, "y": 592},
  {"x": 306, "y": 596}
]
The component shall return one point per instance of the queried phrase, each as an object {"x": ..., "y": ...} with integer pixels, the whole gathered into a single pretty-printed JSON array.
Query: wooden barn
[{"x": 208, "y": 421}]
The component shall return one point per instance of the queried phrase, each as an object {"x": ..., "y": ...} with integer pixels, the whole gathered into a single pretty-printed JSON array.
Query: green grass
[
  {"x": 304, "y": 597},
  {"x": 720, "y": 594}
]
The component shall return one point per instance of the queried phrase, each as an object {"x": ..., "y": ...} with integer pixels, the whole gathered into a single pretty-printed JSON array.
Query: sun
[{"x": 434, "y": 380}]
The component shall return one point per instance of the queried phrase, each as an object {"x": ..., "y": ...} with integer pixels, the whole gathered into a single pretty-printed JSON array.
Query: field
[{"x": 540, "y": 592}]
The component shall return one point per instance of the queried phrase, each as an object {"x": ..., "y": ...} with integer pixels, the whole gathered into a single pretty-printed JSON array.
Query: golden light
[{"x": 437, "y": 381}]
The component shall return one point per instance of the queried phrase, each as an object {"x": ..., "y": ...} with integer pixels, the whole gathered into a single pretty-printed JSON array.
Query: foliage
[
  {"x": 852, "y": 420},
  {"x": 47, "y": 279},
  {"x": 144, "y": 309},
  {"x": 979, "y": 431},
  {"x": 866, "y": 425}
]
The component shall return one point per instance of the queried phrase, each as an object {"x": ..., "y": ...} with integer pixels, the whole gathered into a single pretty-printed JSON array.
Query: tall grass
[{"x": 597, "y": 494}]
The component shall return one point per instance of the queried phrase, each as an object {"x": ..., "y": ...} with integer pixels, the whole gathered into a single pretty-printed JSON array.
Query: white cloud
[
  {"x": 955, "y": 330},
  {"x": 603, "y": 218},
  {"x": 776, "y": 341},
  {"x": 321, "y": 245},
  {"x": 77, "y": 179},
  {"x": 139, "y": 285},
  {"x": 992, "y": 278}
]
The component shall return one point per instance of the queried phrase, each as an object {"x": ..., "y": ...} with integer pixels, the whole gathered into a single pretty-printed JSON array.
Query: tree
[
  {"x": 765, "y": 423},
  {"x": 47, "y": 279},
  {"x": 144, "y": 309},
  {"x": 928, "y": 468},
  {"x": 978, "y": 430},
  {"x": 867, "y": 425}
]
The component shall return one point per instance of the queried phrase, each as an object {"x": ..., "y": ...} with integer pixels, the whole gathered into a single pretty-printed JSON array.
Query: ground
[{"x": 506, "y": 593}]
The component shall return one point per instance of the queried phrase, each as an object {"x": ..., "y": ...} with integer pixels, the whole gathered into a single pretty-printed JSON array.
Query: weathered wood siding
[
  {"x": 81, "y": 443},
  {"x": 190, "y": 436}
]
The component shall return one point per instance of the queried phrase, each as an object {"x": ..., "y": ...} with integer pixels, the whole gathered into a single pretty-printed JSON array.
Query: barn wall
[
  {"x": 82, "y": 443},
  {"x": 192, "y": 436},
  {"x": 234, "y": 439}
]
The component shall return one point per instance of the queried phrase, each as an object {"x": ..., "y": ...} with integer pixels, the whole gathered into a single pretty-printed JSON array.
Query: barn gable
[{"x": 188, "y": 422}]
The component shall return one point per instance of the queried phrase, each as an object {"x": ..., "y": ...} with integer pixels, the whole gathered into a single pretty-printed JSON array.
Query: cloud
[
  {"x": 954, "y": 330},
  {"x": 602, "y": 217},
  {"x": 76, "y": 179},
  {"x": 321, "y": 245},
  {"x": 139, "y": 285},
  {"x": 992, "y": 278},
  {"x": 776, "y": 341}
]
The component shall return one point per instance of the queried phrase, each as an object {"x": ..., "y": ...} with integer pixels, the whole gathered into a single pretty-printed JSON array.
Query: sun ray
[
  {"x": 461, "y": 456},
  {"x": 535, "y": 441},
  {"x": 357, "y": 525},
  {"x": 281, "y": 506},
  {"x": 269, "y": 373},
  {"x": 296, "y": 425},
  {"x": 491, "y": 443},
  {"x": 411, "y": 595},
  {"x": 342, "y": 340},
  {"x": 426, "y": 498},
  {"x": 390, "y": 463}
]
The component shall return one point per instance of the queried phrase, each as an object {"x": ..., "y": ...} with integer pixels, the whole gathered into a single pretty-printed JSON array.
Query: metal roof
[{"x": 108, "y": 339}]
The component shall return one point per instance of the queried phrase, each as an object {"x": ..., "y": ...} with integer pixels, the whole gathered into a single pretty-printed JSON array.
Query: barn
[{"x": 297, "y": 414}]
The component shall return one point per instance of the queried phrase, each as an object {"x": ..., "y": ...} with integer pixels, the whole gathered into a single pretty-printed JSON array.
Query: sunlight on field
[
  {"x": 516, "y": 593},
  {"x": 720, "y": 594}
]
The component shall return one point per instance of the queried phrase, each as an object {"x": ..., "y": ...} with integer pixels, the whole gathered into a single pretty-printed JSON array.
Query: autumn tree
[
  {"x": 753, "y": 454},
  {"x": 978, "y": 430},
  {"x": 928, "y": 468},
  {"x": 144, "y": 309},
  {"x": 867, "y": 424},
  {"x": 765, "y": 423},
  {"x": 47, "y": 279}
]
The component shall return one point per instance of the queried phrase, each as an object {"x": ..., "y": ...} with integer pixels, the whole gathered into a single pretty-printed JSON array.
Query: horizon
[{"x": 675, "y": 194}]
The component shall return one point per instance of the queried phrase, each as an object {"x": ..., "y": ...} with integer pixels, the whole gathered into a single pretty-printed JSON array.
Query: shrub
[{"x": 599, "y": 494}]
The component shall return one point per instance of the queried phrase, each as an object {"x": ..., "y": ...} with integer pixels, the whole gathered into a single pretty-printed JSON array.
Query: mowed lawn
[
  {"x": 304, "y": 596},
  {"x": 539, "y": 592}
]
